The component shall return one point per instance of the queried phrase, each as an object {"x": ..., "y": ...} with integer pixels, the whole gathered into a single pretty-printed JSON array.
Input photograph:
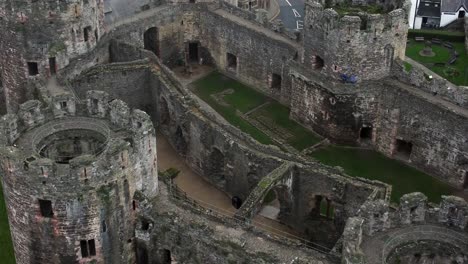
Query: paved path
[
  {"x": 292, "y": 13},
  {"x": 377, "y": 247}
]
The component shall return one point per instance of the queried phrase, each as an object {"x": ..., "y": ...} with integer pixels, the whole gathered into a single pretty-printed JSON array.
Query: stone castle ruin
[{"x": 78, "y": 161}]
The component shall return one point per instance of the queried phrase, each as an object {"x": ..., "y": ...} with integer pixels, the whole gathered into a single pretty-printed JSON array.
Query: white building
[
  {"x": 452, "y": 10},
  {"x": 436, "y": 13}
]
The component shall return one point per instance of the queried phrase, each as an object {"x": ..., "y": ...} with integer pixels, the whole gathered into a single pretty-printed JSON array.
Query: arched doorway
[{"x": 151, "y": 40}]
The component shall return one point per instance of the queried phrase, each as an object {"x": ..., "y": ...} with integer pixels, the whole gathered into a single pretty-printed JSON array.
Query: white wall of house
[
  {"x": 418, "y": 23},
  {"x": 412, "y": 13},
  {"x": 446, "y": 17}
]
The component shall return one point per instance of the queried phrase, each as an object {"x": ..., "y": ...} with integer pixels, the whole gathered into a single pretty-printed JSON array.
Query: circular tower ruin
[
  {"x": 39, "y": 38},
  {"x": 354, "y": 40},
  {"x": 73, "y": 175}
]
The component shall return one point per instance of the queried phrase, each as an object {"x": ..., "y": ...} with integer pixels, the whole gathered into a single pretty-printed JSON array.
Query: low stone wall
[{"x": 418, "y": 76}]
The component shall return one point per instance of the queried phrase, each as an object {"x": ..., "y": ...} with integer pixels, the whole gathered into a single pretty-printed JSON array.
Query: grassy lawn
[
  {"x": 373, "y": 165},
  {"x": 443, "y": 56},
  {"x": 6, "y": 247},
  {"x": 274, "y": 115},
  {"x": 301, "y": 137},
  {"x": 244, "y": 98}
]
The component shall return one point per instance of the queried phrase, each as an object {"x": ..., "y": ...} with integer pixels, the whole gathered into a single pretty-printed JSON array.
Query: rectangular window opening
[
  {"x": 92, "y": 247},
  {"x": 33, "y": 68},
  {"x": 46, "y": 208},
  {"x": 404, "y": 148},
  {"x": 84, "y": 249}
]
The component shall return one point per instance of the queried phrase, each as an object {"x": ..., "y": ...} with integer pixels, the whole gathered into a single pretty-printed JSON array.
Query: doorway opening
[
  {"x": 193, "y": 52},
  {"x": 151, "y": 40}
]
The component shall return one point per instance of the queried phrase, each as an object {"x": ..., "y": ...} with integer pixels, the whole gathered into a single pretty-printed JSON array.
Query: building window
[
  {"x": 33, "y": 68},
  {"x": 63, "y": 105},
  {"x": 46, "y": 208},
  {"x": 88, "y": 248}
]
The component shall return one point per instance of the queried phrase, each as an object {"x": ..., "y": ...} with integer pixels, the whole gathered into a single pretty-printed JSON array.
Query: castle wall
[
  {"x": 418, "y": 77},
  {"x": 259, "y": 52},
  {"x": 120, "y": 81},
  {"x": 364, "y": 46},
  {"x": 335, "y": 111},
  {"x": 394, "y": 111},
  {"x": 437, "y": 134}
]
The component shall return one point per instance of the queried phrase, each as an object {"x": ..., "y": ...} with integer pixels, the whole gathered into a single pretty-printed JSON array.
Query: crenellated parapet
[
  {"x": 355, "y": 41},
  {"x": 75, "y": 166}
]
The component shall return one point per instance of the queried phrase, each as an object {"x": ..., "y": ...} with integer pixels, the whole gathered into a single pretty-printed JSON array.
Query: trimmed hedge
[{"x": 429, "y": 34}]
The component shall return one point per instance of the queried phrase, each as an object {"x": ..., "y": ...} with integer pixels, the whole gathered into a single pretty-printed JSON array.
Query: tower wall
[
  {"x": 56, "y": 205},
  {"x": 361, "y": 44}
]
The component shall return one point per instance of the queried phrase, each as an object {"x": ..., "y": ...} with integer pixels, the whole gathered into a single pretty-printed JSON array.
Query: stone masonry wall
[
  {"x": 437, "y": 133},
  {"x": 257, "y": 50},
  {"x": 417, "y": 76},
  {"x": 363, "y": 44},
  {"x": 394, "y": 111}
]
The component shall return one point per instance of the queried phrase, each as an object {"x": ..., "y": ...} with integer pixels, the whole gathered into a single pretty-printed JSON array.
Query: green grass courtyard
[
  {"x": 372, "y": 165},
  {"x": 455, "y": 73},
  {"x": 230, "y": 97}
]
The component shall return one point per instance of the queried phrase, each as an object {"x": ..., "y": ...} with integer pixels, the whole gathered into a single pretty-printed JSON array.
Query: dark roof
[
  {"x": 428, "y": 11},
  {"x": 453, "y": 5}
]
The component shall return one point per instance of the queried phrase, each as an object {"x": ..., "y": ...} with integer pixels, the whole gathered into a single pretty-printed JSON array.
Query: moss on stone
[{"x": 57, "y": 47}]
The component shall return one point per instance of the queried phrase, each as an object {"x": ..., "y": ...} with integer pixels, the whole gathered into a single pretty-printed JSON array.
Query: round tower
[
  {"x": 354, "y": 40},
  {"x": 73, "y": 173},
  {"x": 39, "y": 38}
]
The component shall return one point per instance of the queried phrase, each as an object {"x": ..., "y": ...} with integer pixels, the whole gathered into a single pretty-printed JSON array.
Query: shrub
[
  {"x": 440, "y": 34},
  {"x": 408, "y": 66}
]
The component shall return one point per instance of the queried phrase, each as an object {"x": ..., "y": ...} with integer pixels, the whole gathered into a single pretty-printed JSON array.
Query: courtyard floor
[
  {"x": 254, "y": 113},
  {"x": 372, "y": 165}
]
